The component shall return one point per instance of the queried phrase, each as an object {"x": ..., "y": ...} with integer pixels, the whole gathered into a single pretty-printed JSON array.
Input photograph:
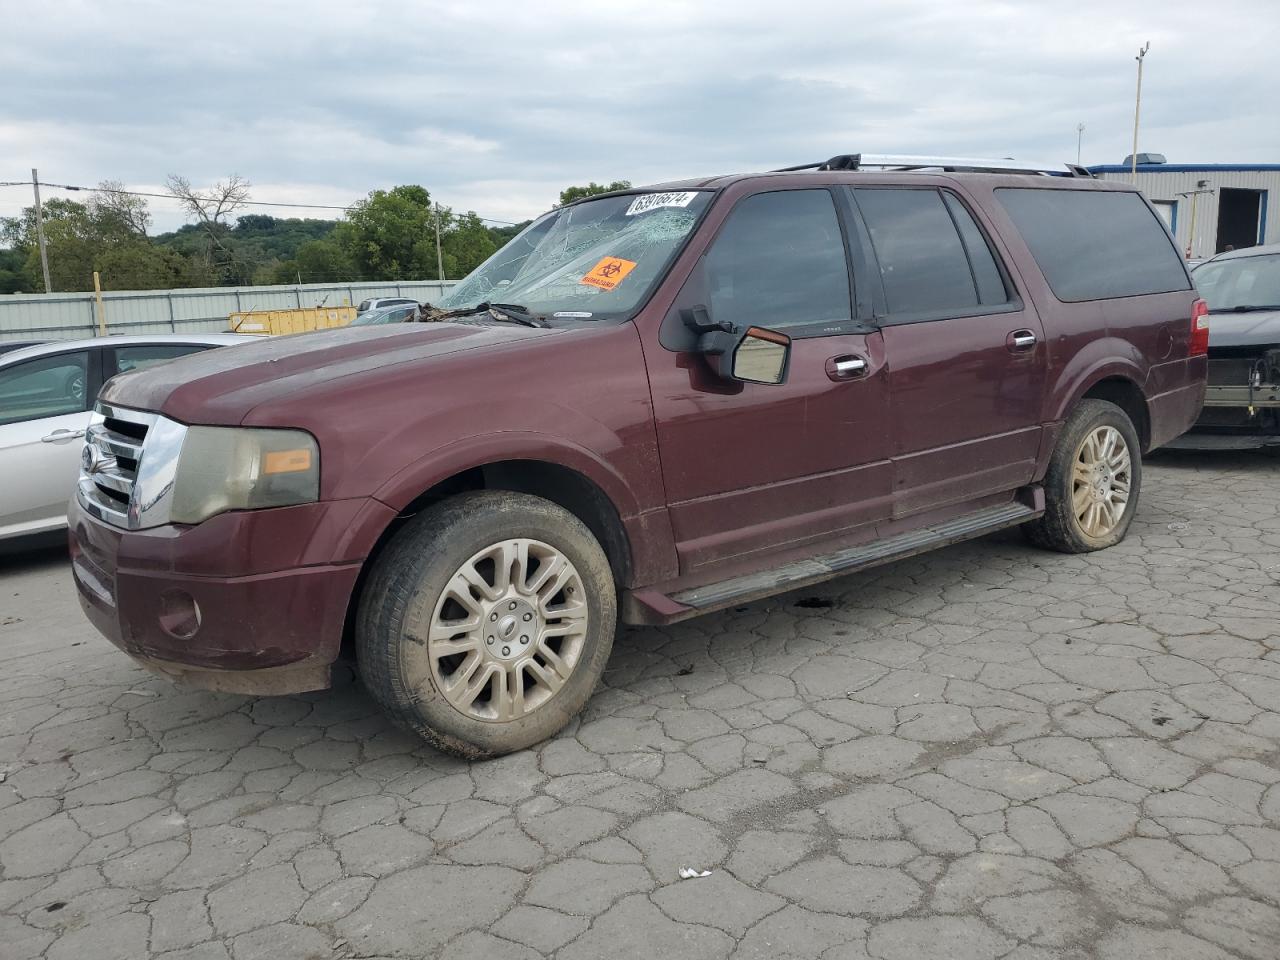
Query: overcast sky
[{"x": 496, "y": 106}]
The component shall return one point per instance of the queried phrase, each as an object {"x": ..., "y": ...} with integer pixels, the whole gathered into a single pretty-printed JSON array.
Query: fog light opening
[{"x": 179, "y": 614}]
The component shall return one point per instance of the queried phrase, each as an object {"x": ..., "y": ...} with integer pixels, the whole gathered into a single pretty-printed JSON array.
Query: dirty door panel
[
  {"x": 964, "y": 411},
  {"x": 750, "y": 467},
  {"x": 966, "y": 357}
]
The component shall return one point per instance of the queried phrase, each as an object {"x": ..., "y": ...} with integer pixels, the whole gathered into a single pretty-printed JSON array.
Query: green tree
[
  {"x": 105, "y": 235},
  {"x": 317, "y": 261},
  {"x": 141, "y": 266},
  {"x": 12, "y": 275},
  {"x": 502, "y": 235},
  {"x": 265, "y": 248},
  {"x": 119, "y": 212},
  {"x": 570, "y": 194},
  {"x": 212, "y": 210},
  {"x": 71, "y": 237},
  {"x": 390, "y": 235},
  {"x": 324, "y": 260},
  {"x": 467, "y": 244},
  {"x": 263, "y": 238}
]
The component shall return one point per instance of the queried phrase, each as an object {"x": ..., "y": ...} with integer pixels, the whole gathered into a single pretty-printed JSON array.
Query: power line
[{"x": 250, "y": 203}]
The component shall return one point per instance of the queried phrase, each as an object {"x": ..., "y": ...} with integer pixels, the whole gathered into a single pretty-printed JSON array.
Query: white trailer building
[{"x": 1210, "y": 206}]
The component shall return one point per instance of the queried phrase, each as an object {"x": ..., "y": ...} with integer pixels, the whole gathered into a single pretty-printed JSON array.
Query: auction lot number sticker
[{"x": 652, "y": 201}]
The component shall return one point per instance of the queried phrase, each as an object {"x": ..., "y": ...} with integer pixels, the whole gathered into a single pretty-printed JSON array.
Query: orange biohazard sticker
[{"x": 608, "y": 273}]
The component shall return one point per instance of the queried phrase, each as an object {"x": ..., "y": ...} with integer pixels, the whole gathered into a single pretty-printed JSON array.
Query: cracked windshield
[{"x": 589, "y": 261}]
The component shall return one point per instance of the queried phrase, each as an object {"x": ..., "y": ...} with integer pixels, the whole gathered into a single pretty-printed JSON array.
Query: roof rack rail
[{"x": 861, "y": 161}]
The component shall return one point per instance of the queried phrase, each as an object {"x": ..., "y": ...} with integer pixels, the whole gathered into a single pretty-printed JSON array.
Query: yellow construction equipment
[{"x": 276, "y": 322}]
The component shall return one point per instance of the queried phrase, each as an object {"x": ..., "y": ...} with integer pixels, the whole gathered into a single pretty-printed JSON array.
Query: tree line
[{"x": 387, "y": 235}]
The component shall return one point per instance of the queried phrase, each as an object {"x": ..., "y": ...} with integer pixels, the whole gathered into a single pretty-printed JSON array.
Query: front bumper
[{"x": 249, "y": 602}]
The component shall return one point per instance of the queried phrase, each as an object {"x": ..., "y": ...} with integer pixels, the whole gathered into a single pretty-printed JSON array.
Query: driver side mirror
[
  {"x": 756, "y": 356},
  {"x": 761, "y": 356}
]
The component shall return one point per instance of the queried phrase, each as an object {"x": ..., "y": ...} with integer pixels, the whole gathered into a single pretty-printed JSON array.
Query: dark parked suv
[
  {"x": 1242, "y": 402},
  {"x": 648, "y": 405}
]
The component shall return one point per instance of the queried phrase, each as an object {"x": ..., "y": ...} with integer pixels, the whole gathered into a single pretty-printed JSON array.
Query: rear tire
[
  {"x": 486, "y": 622},
  {"x": 1092, "y": 484}
]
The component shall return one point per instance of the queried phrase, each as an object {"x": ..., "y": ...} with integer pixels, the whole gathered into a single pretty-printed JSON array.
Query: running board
[
  {"x": 1222, "y": 441},
  {"x": 803, "y": 572}
]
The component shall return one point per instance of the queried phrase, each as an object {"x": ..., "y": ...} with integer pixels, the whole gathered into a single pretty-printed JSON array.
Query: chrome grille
[{"x": 127, "y": 467}]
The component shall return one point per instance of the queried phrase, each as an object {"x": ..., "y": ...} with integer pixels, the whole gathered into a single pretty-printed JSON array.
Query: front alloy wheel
[
  {"x": 486, "y": 622},
  {"x": 508, "y": 631}
]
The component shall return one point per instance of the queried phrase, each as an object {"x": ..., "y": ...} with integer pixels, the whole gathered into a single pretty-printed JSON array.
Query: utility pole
[
  {"x": 44, "y": 252},
  {"x": 1202, "y": 186},
  {"x": 1079, "y": 141},
  {"x": 1137, "y": 110},
  {"x": 439, "y": 253},
  {"x": 101, "y": 310}
]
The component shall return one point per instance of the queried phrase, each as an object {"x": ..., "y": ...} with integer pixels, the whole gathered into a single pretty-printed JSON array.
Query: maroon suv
[{"x": 648, "y": 405}]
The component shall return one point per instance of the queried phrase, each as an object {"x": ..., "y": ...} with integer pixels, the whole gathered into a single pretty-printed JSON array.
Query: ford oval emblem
[{"x": 94, "y": 460}]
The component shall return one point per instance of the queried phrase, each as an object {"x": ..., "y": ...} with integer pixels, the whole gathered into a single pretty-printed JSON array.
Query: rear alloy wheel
[
  {"x": 1092, "y": 483},
  {"x": 486, "y": 622},
  {"x": 1101, "y": 479}
]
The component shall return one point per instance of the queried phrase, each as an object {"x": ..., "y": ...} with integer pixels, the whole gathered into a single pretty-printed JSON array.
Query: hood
[
  {"x": 1258, "y": 329},
  {"x": 222, "y": 386}
]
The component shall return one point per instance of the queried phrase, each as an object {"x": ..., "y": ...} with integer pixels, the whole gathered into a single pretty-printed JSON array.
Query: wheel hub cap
[
  {"x": 514, "y": 623},
  {"x": 507, "y": 631}
]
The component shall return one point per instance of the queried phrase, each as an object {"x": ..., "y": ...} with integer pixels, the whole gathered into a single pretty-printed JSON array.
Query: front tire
[
  {"x": 486, "y": 622},
  {"x": 1092, "y": 484}
]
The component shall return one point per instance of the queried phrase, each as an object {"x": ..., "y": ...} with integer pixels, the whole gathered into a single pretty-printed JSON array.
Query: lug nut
[
  {"x": 528, "y": 617},
  {"x": 506, "y": 651},
  {"x": 511, "y": 605},
  {"x": 489, "y": 640},
  {"x": 524, "y": 639},
  {"x": 493, "y": 616}
]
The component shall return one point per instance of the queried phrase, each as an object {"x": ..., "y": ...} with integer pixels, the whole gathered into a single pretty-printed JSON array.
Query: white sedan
[{"x": 46, "y": 398}]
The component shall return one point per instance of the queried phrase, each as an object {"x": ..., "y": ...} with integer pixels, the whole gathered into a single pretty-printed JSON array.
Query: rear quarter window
[{"x": 1095, "y": 245}]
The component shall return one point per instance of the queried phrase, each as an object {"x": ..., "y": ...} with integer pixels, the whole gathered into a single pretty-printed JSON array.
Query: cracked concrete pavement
[{"x": 986, "y": 752}]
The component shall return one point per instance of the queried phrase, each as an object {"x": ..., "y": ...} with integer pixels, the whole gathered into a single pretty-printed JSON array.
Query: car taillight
[{"x": 1199, "y": 344}]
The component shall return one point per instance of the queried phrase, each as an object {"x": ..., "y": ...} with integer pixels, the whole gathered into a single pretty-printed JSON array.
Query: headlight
[{"x": 243, "y": 468}]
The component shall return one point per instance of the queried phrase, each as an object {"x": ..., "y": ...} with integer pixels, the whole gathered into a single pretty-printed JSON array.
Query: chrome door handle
[
  {"x": 850, "y": 366},
  {"x": 1022, "y": 340},
  {"x": 62, "y": 434}
]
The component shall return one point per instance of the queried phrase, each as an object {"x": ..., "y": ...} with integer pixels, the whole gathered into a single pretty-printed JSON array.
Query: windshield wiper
[
  {"x": 513, "y": 312},
  {"x": 1248, "y": 308}
]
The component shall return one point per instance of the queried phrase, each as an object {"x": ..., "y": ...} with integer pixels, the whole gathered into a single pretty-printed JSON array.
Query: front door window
[{"x": 44, "y": 387}]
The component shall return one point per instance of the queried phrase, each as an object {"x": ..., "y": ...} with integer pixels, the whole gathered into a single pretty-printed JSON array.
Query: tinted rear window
[
  {"x": 922, "y": 260},
  {"x": 1095, "y": 245},
  {"x": 986, "y": 274}
]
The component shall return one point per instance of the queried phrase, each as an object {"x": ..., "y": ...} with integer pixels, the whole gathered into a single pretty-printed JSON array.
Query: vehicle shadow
[
  {"x": 1265, "y": 458},
  {"x": 31, "y": 554}
]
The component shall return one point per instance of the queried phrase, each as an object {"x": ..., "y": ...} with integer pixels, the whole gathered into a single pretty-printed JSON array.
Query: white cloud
[{"x": 497, "y": 106}]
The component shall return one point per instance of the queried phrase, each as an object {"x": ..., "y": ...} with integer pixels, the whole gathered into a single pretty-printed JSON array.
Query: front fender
[
  {"x": 441, "y": 463},
  {"x": 646, "y": 526}
]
